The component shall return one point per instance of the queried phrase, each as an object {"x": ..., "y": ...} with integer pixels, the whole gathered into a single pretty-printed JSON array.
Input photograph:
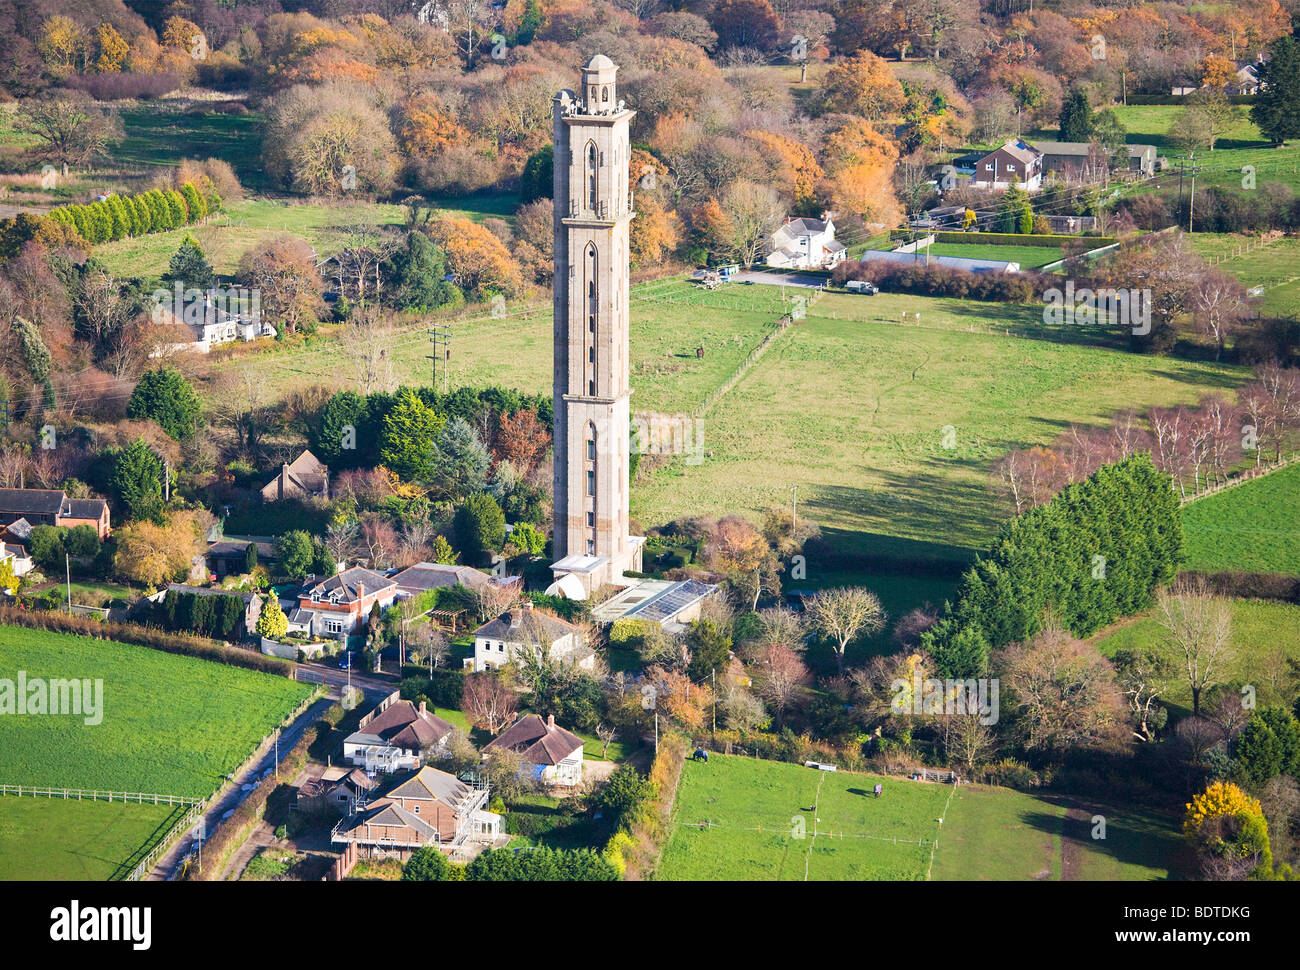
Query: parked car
[{"x": 345, "y": 662}]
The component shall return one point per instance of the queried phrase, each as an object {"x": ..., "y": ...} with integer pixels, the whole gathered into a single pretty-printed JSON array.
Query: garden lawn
[
  {"x": 171, "y": 724},
  {"x": 1029, "y": 257},
  {"x": 1253, "y": 527},
  {"x": 1265, "y": 636},
  {"x": 61, "y": 839}
]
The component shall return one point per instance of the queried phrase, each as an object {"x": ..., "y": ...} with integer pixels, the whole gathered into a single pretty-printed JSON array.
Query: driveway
[{"x": 780, "y": 279}]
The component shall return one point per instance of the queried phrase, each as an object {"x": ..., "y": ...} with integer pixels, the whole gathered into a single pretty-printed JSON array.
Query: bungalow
[
  {"x": 341, "y": 604},
  {"x": 305, "y": 477},
  {"x": 806, "y": 244},
  {"x": 1016, "y": 162},
  {"x": 430, "y": 807},
  {"x": 226, "y": 557},
  {"x": 522, "y": 628},
  {"x": 426, "y": 576},
  {"x": 205, "y": 321},
  {"x": 553, "y": 754},
  {"x": 46, "y": 506},
  {"x": 393, "y": 735}
]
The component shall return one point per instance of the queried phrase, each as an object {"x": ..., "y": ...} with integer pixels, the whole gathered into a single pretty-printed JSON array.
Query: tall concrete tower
[{"x": 593, "y": 208}]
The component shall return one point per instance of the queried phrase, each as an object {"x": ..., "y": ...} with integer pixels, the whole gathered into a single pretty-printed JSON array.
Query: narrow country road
[{"x": 233, "y": 794}]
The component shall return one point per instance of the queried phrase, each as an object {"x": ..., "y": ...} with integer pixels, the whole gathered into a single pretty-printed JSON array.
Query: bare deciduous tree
[
  {"x": 843, "y": 614},
  {"x": 1199, "y": 624}
]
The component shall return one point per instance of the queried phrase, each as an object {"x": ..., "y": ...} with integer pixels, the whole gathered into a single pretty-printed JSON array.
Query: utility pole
[
  {"x": 67, "y": 564},
  {"x": 167, "y": 481},
  {"x": 441, "y": 337},
  {"x": 794, "y": 510},
  {"x": 277, "y": 756}
]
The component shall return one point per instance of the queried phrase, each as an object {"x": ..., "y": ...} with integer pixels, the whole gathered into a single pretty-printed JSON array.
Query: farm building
[{"x": 1076, "y": 158}]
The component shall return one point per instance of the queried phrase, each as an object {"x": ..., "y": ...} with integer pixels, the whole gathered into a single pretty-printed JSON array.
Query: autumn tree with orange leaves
[{"x": 859, "y": 164}]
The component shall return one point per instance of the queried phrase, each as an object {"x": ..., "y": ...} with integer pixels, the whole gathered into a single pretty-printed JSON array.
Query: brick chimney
[
  {"x": 424, "y": 709},
  {"x": 528, "y": 606},
  {"x": 512, "y": 618},
  {"x": 550, "y": 722}
]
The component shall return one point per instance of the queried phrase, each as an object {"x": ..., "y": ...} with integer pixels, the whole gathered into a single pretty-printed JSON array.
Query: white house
[
  {"x": 553, "y": 754},
  {"x": 499, "y": 641},
  {"x": 16, "y": 556},
  {"x": 209, "y": 320},
  {"x": 806, "y": 244}
]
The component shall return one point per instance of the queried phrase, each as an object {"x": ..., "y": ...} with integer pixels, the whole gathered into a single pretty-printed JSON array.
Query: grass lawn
[
  {"x": 1253, "y": 527},
  {"x": 1265, "y": 635},
  {"x": 171, "y": 724},
  {"x": 1029, "y": 257},
  {"x": 542, "y": 820},
  {"x": 57, "y": 839},
  {"x": 851, "y": 407},
  {"x": 757, "y": 810}
]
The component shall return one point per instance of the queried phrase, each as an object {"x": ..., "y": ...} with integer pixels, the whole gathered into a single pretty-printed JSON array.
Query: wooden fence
[
  {"x": 85, "y": 794},
  {"x": 194, "y": 810},
  {"x": 145, "y": 866},
  {"x": 1240, "y": 479}
]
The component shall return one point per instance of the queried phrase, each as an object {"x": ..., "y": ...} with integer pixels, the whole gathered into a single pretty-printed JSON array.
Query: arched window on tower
[{"x": 591, "y": 176}]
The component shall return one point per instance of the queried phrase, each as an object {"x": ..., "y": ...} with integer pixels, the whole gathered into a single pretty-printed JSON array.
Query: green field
[
  {"x": 57, "y": 839},
  {"x": 1241, "y": 145},
  {"x": 172, "y": 725},
  {"x": 998, "y": 834},
  {"x": 1275, "y": 266},
  {"x": 1029, "y": 257},
  {"x": 739, "y": 818},
  {"x": 851, "y": 407},
  {"x": 848, "y": 405},
  {"x": 1253, "y": 527},
  {"x": 1265, "y": 636}
]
